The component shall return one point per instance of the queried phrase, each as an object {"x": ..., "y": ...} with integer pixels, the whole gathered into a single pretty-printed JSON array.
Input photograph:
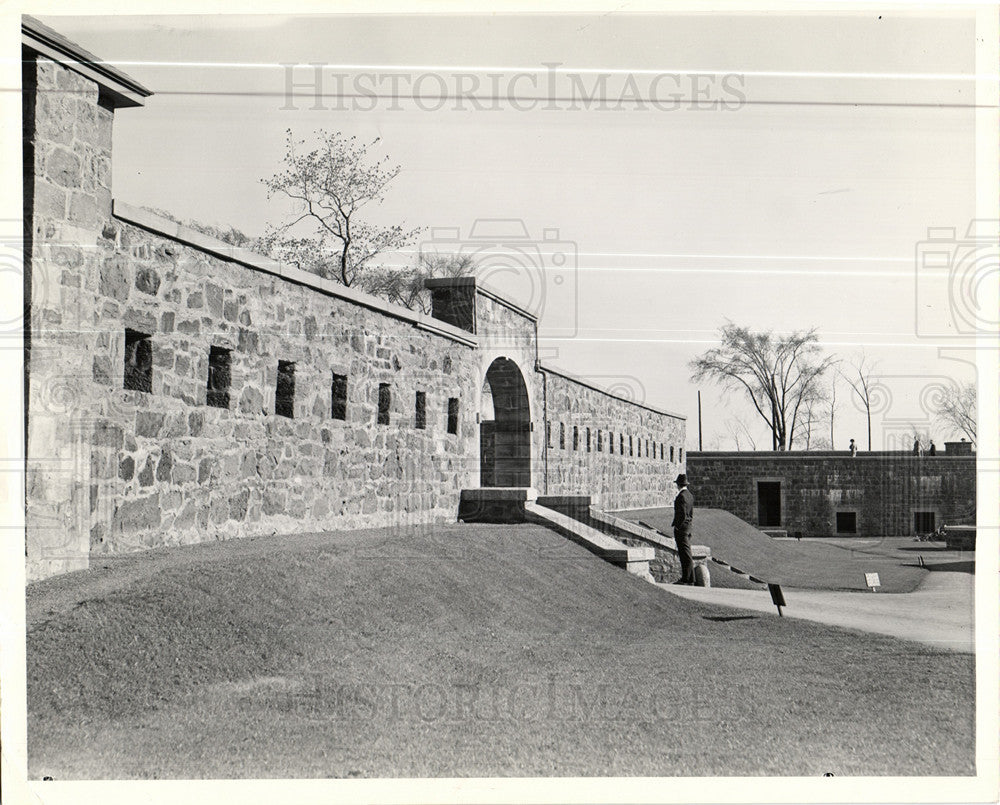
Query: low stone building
[
  {"x": 831, "y": 493},
  {"x": 178, "y": 389}
]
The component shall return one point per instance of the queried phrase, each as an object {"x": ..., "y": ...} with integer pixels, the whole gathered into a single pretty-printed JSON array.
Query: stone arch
[{"x": 505, "y": 427}]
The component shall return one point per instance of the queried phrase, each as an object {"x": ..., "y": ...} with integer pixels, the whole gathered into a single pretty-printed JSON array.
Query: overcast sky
[{"x": 800, "y": 204}]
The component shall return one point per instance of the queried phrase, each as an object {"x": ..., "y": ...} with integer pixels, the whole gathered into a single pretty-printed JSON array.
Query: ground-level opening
[
  {"x": 847, "y": 522},
  {"x": 505, "y": 427},
  {"x": 924, "y": 523},
  {"x": 769, "y": 503}
]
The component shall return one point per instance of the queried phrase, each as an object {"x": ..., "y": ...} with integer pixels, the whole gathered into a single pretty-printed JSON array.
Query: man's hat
[{"x": 682, "y": 480}]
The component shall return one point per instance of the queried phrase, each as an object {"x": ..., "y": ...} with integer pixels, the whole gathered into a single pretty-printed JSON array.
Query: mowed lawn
[
  {"x": 458, "y": 650},
  {"x": 809, "y": 564}
]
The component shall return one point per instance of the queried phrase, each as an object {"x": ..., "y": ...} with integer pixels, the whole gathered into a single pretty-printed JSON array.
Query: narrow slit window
[
  {"x": 621, "y": 444},
  {"x": 338, "y": 394},
  {"x": 284, "y": 396},
  {"x": 680, "y": 453},
  {"x": 548, "y": 433},
  {"x": 219, "y": 377},
  {"x": 138, "y": 361},
  {"x": 600, "y": 442},
  {"x": 631, "y": 452},
  {"x": 420, "y": 413},
  {"x": 384, "y": 401},
  {"x": 671, "y": 452},
  {"x": 588, "y": 440},
  {"x": 576, "y": 438},
  {"x": 453, "y": 415},
  {"x": 562, "y": 435}
]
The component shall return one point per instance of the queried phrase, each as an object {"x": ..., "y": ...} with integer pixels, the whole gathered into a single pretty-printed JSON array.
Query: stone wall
[
  {"x": 67, "y": 143},
  {"x": 179, "y": 389},
  {"x": 175, "y": 469},
  {"x": 882, "y": 489},
  {"x": 623, "y": 454}
]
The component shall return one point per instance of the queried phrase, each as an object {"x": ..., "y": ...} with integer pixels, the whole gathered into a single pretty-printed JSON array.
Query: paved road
[{"x": 940, "y": 612}]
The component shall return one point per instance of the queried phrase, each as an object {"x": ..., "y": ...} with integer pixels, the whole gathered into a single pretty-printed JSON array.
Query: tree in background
[
  {"x": 779, "y": 373},
  {"x": 956, "y": 408},
  {"x": 330, "y": 187},
  {"x": 406, "y": 286},
  {"x": 860, "y": 377}
]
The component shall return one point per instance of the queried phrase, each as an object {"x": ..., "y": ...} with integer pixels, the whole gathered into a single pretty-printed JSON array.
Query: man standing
[
  {"x": 932, "y": 450},
  {"x": 683, "y": 514}
]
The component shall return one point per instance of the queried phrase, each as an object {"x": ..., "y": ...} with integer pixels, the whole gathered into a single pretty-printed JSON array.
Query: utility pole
[{"x": 699, "y": 420}]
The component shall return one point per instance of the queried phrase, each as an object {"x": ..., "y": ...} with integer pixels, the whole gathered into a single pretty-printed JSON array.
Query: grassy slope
[
  {"x": 458, "y": 651},
  {"x": 809, "y": 565}
]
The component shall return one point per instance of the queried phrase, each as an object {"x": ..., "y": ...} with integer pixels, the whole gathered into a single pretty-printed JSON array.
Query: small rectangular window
[
  {"x": 548, "y": 433},
  {"x": 680, "y": 453},
  {"x": 661, "y": 452},
  {"x": 218, "y": 377},
  {"x": 630, "y": 450},
  {"x": 284, "y": 395},
  {"x": 671, "y": 452},
  {"x": 576, "y": 438},
  {"x": 647, "y": 448},
  {"x": 588, "y": 440},
  {"x": 338, "y": 394},
  {"x": 420, "y": 415},
  {"x": 611, "y": 441},
  {"x": 384, "y": 401},
  {"x": 138, "y": 361},
  {"x": 562, "y": 435},
  {"x": 621, "y": 444},
  {"x": 453, "y": 415},
  {"x": 600, "y": 442}
]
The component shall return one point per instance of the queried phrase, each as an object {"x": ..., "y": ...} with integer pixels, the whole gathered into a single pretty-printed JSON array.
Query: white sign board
[{"x": 871, "y": 579}]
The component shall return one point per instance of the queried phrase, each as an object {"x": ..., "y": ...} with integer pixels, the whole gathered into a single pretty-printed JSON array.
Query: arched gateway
[{"x": 505, "y": 427}]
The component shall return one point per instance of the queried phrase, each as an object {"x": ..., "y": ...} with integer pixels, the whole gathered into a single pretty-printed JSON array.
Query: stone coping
[
  {"x": 793, "y": 454},
  {"x": 604, "y": 546},
  {"x": 124, "y": 89},
  {"x": 218, "y": 248},
  {"x": 698, "y": 552},
  {"x": 594, "y": 387}
]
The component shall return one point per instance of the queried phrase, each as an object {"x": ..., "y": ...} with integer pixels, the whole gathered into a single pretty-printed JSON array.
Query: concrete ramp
[
  {"x": 810, "y": 564},
  {"x": 633, "y": 559}
]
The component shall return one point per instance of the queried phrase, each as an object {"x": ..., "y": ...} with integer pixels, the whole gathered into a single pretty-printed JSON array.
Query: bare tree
[
  {"x": 329, "y": 186},
  {"x": 738, "y": 429},
  {"x": 814, "y": 412},
  {"x": 860, "y": 378},
  {"x": 833, "y": 409},
  {"x": 779, "y": 373},
  {"x": 957, "y": 409}
]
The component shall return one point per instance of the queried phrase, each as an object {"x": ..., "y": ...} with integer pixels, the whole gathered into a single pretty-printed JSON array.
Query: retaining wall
[{"x": 884, "y": 490}]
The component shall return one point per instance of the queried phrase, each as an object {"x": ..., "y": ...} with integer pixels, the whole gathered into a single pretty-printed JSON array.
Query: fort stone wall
[
  {"x": 179, "y": 389},
  {"x": 624, "y": 454},
  {"x": 888, "y": 493}
]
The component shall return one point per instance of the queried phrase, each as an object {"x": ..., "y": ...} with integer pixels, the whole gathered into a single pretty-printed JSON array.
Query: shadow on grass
[
  {"x": 968, "y": 566},
  {"x": 727, "y": 618}
]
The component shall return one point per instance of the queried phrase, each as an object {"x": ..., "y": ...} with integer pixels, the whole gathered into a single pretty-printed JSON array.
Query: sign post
[
  {"x": 871, "y": 579},
  {"x": 777, "y": 597}
]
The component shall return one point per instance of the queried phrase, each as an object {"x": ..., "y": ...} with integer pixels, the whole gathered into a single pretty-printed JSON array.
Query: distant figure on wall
[
  {"x": 853, "y": 448},
  {"x": 932, "y": 450},
  {"x": 683, "y": 515},
  {"x": 917, "y": 449}
]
